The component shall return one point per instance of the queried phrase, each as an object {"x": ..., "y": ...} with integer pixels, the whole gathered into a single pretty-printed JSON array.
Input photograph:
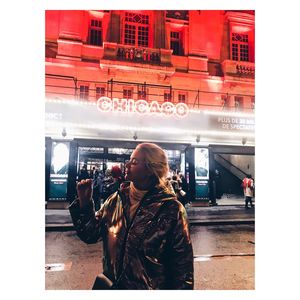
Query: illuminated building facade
[{"x": 182, "y": 79}]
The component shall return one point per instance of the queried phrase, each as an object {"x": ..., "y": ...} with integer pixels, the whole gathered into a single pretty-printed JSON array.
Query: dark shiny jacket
[{"x": 151, "y": 251}]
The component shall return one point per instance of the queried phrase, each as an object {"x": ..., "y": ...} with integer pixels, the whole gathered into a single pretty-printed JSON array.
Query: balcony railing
[
  {"x": 144, "y": 55},
  {"x": 140, "y": 55},
  {"x": 245, "y": 69},
  {"x": 231, "y": 67}
]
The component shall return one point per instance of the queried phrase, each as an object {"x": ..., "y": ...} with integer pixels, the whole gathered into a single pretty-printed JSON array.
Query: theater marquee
[{"x": 120, "y": 118}]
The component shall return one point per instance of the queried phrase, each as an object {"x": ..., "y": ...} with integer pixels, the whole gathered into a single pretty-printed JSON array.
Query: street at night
[
  {"x": 157, "y": 105},
  {"x": 158, "y": 146},
  {"x": 223, "y": 259}
]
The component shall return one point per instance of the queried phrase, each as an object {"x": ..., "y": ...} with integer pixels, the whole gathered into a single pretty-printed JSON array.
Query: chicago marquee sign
[{"x": 142, "y": 107}]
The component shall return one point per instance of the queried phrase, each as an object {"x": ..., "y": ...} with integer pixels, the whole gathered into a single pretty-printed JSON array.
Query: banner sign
[{"x": 233, "y": 123}]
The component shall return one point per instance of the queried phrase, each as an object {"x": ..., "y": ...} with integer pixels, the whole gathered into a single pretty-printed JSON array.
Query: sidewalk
[
  {"x": 220, "y": 215},
  {"x": 228, "y": 211}
]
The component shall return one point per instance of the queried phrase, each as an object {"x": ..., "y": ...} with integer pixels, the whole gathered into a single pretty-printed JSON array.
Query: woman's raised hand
[{"x": 84, "y": 191}]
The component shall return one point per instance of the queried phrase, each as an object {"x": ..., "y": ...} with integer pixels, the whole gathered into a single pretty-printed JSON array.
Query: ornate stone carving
[{"x": 178, "y": 14}]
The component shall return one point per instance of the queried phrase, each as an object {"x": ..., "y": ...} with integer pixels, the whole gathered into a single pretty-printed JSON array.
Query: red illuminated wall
[{"x": 205, "y": 64}]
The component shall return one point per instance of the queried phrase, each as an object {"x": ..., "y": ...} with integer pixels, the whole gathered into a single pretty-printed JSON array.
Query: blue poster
[{"x": 202, "y": 190}]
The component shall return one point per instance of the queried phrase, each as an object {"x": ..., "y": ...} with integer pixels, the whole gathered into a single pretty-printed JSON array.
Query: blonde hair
[{"x": 156, "y": 160}]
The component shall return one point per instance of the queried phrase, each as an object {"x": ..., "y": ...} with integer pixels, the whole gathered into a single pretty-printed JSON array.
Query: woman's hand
[{"x": 84, "y": 191}]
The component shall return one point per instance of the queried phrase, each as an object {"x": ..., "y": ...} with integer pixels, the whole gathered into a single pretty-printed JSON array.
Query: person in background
[
  {"x": 169, "y": 184},
  {"x": 213, "y": 189},
  {"x": 179, "y": 192},
  {"x": 92, "y": 172},
  {"x": 97, "y": 186},
  {"x": 107, "y": 181},
  {"x": 117, "y": 179},
  {"x": 144, "y": 228},
  {"x": 83, "y": 174},
  {"x": 218, "y": 180},
  {"x": 184, "y": 187},
  {"x": 175, "y": 183},
  {"x": 248, "y": 187}
]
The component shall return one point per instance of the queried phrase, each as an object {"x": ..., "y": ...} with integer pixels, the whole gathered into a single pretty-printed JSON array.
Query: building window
[
  {"x": 167, "y": 97},
  {"x": 100, "y": 92},
  {"x": 182, "y": 98},
  {"x": 84, "y": 92},
  {"x": 136, "y": 30},
  {"x": 239, "y": 47},
  {"x": 142, "y": 95},
  {"x": 238, "y": 102},
  {"x": 127, "y": 93},
  {"x": 176, "y": 43},
  {"x": 95, "y": 33}
]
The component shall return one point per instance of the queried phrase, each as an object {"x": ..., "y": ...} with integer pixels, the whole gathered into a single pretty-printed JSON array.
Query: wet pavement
[
  {"x": 223, "y": 259},
  {"x": 223, "y": 243}
]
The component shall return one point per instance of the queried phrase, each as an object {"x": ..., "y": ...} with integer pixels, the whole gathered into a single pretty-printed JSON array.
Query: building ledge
[{"x": 114, "y": 65}]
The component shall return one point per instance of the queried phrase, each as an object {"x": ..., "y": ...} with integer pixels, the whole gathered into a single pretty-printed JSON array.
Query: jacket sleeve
[
  {"x": 86, "y": 224},
  {"x": 180, "y": 258}
]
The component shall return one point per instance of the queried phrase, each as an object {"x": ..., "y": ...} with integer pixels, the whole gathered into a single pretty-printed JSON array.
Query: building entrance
[
  {"x": 102, "y": 159},
  {"x": 99, "y": 155},
  {"x": 230, "y": 166}
]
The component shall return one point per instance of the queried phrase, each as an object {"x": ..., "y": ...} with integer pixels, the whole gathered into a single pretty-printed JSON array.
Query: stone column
[
  {"x": 113, "y": 30},
  {"x": 160, "y": 29},
  {"x": 70, "y": 25},
  {"x": 69, "y": 42}
]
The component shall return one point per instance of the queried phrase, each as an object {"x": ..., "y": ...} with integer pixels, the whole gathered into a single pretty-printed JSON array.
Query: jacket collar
[{"x": 154, "y": 194}]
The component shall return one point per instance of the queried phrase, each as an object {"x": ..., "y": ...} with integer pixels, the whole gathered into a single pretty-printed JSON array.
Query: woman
[{"x": 143, "y": 227}]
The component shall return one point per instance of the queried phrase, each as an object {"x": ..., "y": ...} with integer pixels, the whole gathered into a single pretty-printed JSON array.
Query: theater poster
[
  {"x": 201, "y": 163},
  {"x": 59, "y": 170}
]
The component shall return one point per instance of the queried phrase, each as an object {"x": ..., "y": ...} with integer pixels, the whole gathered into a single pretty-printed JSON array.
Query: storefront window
[
  {"x": 83, "y": 150},
  {"x": 173, "y": 160},
  {"x": 120, "y": 151}
]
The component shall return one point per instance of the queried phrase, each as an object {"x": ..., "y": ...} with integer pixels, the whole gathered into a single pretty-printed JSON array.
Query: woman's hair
[{"x": 156, "y": 160}]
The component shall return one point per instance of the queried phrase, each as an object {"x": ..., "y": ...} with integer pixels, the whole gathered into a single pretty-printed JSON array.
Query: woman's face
[{"x": 136, "y": 170}]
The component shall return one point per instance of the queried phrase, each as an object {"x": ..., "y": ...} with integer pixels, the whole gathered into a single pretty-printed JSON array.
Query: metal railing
[
  {"x": 68, "y": 87},
  {"x": 140, "y": 55},
  {"x": 230, "y": 167}
]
